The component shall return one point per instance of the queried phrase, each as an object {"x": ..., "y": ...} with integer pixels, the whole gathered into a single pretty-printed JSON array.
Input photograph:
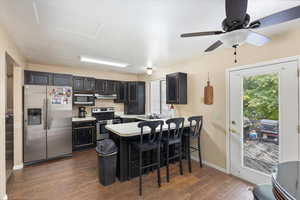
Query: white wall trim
[
  {"x": 18, "y": 167},
  {"x": 210, "y": 165},
  {"x": 260, "y": 64},
  {"x": 227, "y": 121},
  {"x": 5, "y": 197}
]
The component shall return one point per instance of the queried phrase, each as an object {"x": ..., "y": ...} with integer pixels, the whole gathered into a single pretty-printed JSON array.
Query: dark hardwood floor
[{"x": 76, "y": 179}]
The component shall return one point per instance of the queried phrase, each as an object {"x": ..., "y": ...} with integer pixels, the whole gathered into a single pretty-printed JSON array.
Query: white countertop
[
  {"x": 139, "y": 117},
  {"x": 131, "y": 129},
  {"x": 78, "y": 119},
  {"x": 122, "y": 115}
]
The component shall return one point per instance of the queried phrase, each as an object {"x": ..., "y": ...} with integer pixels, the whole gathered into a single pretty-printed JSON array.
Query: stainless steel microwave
[{"x": 84, "y": 99}]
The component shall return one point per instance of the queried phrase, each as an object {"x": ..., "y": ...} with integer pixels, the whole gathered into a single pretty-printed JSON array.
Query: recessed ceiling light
[{"x": 102, "y": 62}]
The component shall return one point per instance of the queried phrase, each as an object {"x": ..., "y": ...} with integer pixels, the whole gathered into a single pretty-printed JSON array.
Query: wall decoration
[{"x": 208, "y": 93}]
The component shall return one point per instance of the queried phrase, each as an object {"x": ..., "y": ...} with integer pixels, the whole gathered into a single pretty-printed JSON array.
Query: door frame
[{"x": 227, "y": 79}]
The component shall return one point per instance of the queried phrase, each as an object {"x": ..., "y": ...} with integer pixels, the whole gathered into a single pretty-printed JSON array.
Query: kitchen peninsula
[{"x": 122, "y": 134}]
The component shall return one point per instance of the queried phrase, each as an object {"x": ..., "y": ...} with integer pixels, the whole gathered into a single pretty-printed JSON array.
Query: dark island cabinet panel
[
  {"x": 38, "y": 78},
  {"x": 62, "y": 80},
  {"x": 176, "y": 91}
]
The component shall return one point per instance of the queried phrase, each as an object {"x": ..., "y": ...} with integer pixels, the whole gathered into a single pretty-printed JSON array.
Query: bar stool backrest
[
  {"x": 174, "y": 133},
  {"x": 196, "y": 123},
  {"x": 154, "y": 135}
]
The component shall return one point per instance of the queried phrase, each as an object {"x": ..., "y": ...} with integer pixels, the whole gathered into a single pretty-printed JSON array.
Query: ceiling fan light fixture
[
  {"x": 233, "y": 38},
  {"x": 149, "y": 70}
]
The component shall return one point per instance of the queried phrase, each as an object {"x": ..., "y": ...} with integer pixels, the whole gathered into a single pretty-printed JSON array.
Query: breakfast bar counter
[{"x": 122, "y": 134}]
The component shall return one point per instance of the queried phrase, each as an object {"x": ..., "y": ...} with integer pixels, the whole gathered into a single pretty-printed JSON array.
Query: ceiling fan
[{"x": 237, "y": 27}]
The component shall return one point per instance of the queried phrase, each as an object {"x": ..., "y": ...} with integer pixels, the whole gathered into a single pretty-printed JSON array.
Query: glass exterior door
[{"x": 263, "y": 111}]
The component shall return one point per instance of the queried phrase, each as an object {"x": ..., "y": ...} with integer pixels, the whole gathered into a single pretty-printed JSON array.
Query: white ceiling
[{"x": 138, "y": 32}]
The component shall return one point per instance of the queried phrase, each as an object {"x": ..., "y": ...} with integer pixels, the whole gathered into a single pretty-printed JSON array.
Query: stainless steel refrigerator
[{"x": 47, "y": 122}]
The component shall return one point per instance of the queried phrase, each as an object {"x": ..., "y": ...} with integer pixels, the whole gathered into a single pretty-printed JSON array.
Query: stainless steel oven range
[{"x": 104, "y": 116}]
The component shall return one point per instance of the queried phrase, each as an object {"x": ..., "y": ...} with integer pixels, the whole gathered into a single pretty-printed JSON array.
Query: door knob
[
  {"x": 233, "y": 122},
  {"x": 233, "y": 131}
]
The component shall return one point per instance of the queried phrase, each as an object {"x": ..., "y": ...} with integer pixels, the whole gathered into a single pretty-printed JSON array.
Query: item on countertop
[
  {"x": 208, "y": 93},
  {"x": 173, "y": 111},
  {"x": 82, "y": 112}
]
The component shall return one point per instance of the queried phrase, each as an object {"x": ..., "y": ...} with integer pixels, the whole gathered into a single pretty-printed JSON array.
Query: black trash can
[{"x": 107, "y": 161}]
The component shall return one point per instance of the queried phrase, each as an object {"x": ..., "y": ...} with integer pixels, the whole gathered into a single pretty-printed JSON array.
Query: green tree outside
[{"x": 260, "y": 98}]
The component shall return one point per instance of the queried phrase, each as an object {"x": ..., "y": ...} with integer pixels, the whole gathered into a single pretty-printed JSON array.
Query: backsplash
[{"x": 119, "y": 107}]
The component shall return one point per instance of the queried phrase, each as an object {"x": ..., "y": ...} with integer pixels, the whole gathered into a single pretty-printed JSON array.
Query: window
[{"x": 158, "y": 98}]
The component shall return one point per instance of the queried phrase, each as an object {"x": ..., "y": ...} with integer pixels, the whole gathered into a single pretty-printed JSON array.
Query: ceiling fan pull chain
[{"x": 235, "y": 53}]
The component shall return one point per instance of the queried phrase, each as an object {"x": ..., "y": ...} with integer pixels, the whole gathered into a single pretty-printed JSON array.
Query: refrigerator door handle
[
  {"x": 48, "y": 114},
  {"x": 44, "y": 111}
]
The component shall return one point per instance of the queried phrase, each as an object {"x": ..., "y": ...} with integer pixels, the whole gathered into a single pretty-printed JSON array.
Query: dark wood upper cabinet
[
  {"x": 89, "y": 84},
  {"x": 106, "y": 87},
  {"x": 83, "y": 84},
  {"x": 62, "y": 80},
  {"x": 121, "y": 91},
  {"x": 100, "y": 86},
  {"x": 132, "y": 92},
  {"x": 110, "y": 88},
  {"x": 135, "y": 103},
  {"x": 38, "y": 78},
  {"x": 176, "y": 88},
  {"x": 78, "y": 83}
]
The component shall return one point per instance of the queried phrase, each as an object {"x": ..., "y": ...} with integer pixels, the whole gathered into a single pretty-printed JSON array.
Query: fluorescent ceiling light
[
  {"x": 102, "y": 62},
  {"x": 36, "y": 13}
]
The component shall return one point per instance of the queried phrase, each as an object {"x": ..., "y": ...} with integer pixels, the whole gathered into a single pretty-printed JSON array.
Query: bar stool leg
[
  {"x": 158, "y": 168},
  {"x": 167, "y": 166},
  {"x": 141, "y": 171},
  {"x": 180, "y": 159},
  {"x": 189, "y": 154},
  {"x": 199, "y": 152}
]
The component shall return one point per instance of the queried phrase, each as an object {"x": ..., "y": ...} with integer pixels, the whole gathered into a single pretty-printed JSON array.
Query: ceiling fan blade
[
  {"x": 277, "y": 18},
  {"x": 257, "y": 39},
  {"x": 214, "y": 46},
  {"x": 236, "y": 10},
  {"x": 201, "y": 33}
]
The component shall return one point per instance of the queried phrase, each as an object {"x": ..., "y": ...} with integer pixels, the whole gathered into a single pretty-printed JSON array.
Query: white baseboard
[
  {"x": 5, "y": 197},
  {"x": 18, "y": 167},
  {"x": 210, "y": 165}
]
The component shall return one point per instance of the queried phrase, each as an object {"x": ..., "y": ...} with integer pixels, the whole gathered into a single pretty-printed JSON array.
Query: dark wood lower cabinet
[{"x": 84, "y": 135}]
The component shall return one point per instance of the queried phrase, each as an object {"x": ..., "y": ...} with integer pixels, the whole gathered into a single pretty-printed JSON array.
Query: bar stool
[
  {"x": 174, "y": 138},
  {"x": 196, "y": 123},
  {"x": 263, "y": 192},
  {"x": 149, "y": 141}
]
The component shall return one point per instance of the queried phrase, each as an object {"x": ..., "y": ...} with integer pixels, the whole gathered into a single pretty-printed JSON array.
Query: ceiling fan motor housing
[{"x": 233, "y": 24}]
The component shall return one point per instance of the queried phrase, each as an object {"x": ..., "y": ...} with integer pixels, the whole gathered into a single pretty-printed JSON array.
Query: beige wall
[
  {"x": 214, "y": 136},
  {"x": 7, "y": 46}
]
